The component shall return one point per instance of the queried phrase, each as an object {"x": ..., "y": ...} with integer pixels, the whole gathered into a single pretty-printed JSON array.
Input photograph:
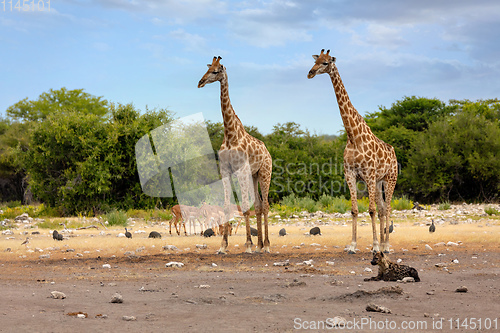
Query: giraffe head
[
  {"x": 216, "y": 72},
  {"x": 324, "y": 64}
]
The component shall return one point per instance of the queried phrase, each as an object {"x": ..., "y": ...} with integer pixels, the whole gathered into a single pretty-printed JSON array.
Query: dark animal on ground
[
  {"x": 154, "y": 234},
  {"x": 315, "y": 231}
]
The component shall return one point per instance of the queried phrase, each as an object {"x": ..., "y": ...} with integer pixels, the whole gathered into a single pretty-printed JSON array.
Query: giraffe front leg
[
  {"x": 372, "y": 193},
  {"x": 391, "y": 184},
  {"x": 248, "y": 243},
  {"x": 351, "y": 182},
  {"x": 224, "y": 243}
]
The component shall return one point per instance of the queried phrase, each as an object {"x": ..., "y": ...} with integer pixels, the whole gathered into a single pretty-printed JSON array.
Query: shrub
[
  {"x": 117, "y": 217},
  {"x": 402, "y": 203},
  {"x": 491, "y": 211},
  {"x": 444, "y": 205},
  {"x": 340, "y": 205}
]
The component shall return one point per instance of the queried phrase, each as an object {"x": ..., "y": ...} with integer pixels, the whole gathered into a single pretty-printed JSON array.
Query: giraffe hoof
[
  {"x": 222, "y": 251},
  {"x": 386, "y": 251},
  {"x": 351, "y": 252}
]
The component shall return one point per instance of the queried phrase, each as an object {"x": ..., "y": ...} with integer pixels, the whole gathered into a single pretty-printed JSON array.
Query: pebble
[
  {"x": 117, "y": 298},
  {"x": 407, "y": 279},
  {"x": 428, "y": 247},
  {"x": 372, "y": 307},
  {"x": 106, "y": 266},
  {"x": 331, "y": 263},
  {"x": 201, "y": 246},
  {"x": 282, "y": 263},
  {"x": 44, "y": 256},
  {"x": 129, "y": 318},
  {"x": 368, "y": 269},
  {"x": 462, "y": 289},
  {"x": 58, "y": 295},
  {"x": 170, "y": 247},
  {"x": 174, "y": 264}
]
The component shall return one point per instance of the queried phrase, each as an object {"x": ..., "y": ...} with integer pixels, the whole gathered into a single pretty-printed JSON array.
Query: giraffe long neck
[
  {"x": 354, "y": 124},
  {"x": 232, "y": 123}
]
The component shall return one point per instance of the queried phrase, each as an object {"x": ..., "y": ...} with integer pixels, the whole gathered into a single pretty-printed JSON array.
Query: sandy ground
[{"x": 241, "y": 292}]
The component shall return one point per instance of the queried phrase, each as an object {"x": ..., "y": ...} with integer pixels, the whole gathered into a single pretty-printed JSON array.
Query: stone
[
  {"x": 58, "y": 295},
  {"x": 282, "y": 263},
  {"x": 106, "y": 266},
  {"x": 462, "y": 289},
  {"x": 201, "y": 246},
  {"x": 407, "y": 279},
  {"x": 451, "y": 244},
  {"x": 117, "y": 298},
  {"x": 129, "y": 318},
  {"x": 372, "y": 307},
  {"x": 170, "y": 247},
  {"x": 427, "y": 247},
  {"x": 44, "y": 256},
  {"x": 174, "y": 264}
]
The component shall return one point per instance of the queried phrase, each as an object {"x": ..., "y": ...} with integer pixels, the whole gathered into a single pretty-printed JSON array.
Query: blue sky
[{"x": 154, "y": 53}]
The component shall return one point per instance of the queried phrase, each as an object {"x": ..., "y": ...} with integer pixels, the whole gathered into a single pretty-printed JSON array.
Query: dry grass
[{"x": 406, "y": 236}]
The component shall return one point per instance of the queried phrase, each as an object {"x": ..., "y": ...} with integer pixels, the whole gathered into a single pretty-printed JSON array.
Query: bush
[
  {"x": 444, "y": 205},
  {"x": 491, "y": 211},
  {"x": 117, "y": 218},
  {"x": 402, "y": 203}
]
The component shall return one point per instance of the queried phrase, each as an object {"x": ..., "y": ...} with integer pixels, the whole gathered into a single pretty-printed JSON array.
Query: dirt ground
[{"x": 247, "y": 293}]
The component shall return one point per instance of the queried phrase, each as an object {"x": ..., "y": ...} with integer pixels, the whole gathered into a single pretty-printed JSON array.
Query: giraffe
[
  {"x": 365, "y": 156},
  {"x": 237, "y": 143}
]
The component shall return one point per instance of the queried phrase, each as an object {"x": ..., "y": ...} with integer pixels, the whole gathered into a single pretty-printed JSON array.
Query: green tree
[
  {"x": 57, "y": 102},
  {"x": 458, "y": 158},
  {"x": 83, "y": 162}
]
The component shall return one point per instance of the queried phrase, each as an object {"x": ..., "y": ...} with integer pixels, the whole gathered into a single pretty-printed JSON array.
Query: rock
[
  {"x": 201, "y": 246},
  {"x": 451, "y": 244},
  {"x": 441, "y": 264},
  {"x": 455, "y": 261},
  {"x": 22, "y": 218},
  {"x": 204, "y": 286},
  {"x": 331, "y": 263},
  {"x": 338, "y": 322},
  {"x": 81, "y": 316},
  {"x": 282, "y": 263},
  {"x": 44, "y": 256},
  {"x": 427, "y": 247},
  {"x": 368, "y": 269},
  {"x": 106, "y": 266},
  {"x": 129, "y": 318},
  {"x": 430, "y": 293},
  {"x": 121, "y": 234},
  {"x": 407, "y": 279},
  {"x": 174, "y": 264},
  {"x": 170, "y": 247},
  {"x": 440, "y": 244},
  {"x": 214, "y": 264},
  {"x": 7, "y": 232},
  {"x": 129, "y": 253},
  {"x": 308, "y": 262},
  {"x": 79, "y": 255},
  {"x": 462, "y": 289},
  {"x": 295, "y": 283},
  {"x": 58, "y": 295},
  {"x": 372, "y": 307},
  {"x": 117, "y": 298}
]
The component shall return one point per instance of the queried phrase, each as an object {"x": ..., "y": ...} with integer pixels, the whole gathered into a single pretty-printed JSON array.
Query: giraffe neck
[
  {"x": 354, "y": 124},
  {"x": 232, "y": 123}
]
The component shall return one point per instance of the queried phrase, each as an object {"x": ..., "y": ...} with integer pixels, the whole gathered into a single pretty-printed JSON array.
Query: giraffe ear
[
  {"x": 315, "y": 57},
  {"x": 209, "y": 65},
  {"x": 333, "y": 60}
]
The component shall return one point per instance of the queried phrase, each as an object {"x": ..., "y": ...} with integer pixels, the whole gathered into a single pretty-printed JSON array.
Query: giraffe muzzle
[
  {"x": 311, "y": 74},
  {"x": 201, "y": 84}
]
